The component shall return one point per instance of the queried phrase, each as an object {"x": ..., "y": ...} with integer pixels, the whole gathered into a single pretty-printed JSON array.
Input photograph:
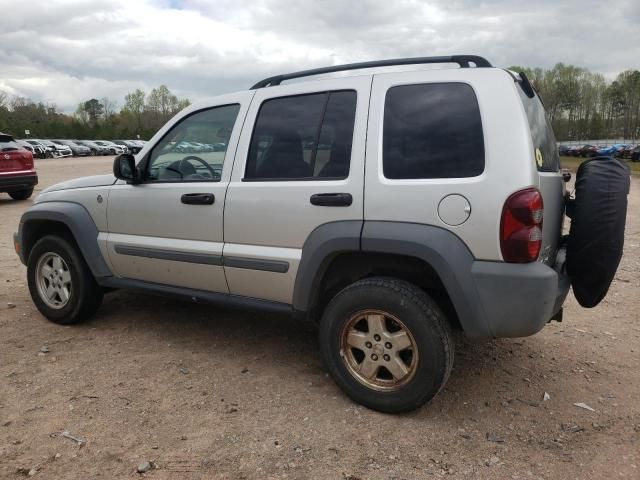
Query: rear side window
[
  {"x": 432, "y": 131},
  {"x": 303, "y": 137},
  {"x": 544, "y": 141}
]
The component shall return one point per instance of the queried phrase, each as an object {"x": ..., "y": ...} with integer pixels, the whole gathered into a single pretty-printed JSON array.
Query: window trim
[
  {"x": 144, "y": 164},
  {"x": 327, "y": 94},
  {"x": 423, "y": 179}
]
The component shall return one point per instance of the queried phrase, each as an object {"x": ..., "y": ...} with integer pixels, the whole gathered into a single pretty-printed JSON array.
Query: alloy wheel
[
  {"x": 53, "y": 280},
  {"x": 379, "y": 350}
]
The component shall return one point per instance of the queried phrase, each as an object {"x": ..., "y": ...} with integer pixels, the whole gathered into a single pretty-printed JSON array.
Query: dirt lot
[{"x": 207, "y": 393}]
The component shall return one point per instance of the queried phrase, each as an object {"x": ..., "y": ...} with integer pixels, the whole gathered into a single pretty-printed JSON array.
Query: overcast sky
[{"x": 65, "y": 52}]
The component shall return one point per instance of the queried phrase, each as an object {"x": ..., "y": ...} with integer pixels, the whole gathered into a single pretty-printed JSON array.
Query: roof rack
[{"x": 464, "y": 61}]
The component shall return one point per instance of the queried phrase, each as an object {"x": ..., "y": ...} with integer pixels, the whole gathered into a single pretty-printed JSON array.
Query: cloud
[{"x": 64, "y": 51}]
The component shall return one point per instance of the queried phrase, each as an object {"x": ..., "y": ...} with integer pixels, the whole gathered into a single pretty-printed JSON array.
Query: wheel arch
[
  {"x": 67, "y": 218},
  {"x": 435, "y": 259}
]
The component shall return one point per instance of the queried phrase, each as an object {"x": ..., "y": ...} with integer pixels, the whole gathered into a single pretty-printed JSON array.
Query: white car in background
[
  {"x": 57, "y": 149},
  {"x": 114, "y": 148}
]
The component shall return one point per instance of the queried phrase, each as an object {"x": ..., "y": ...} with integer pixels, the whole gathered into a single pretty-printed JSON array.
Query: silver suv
[{"x": 389, "y": 207}]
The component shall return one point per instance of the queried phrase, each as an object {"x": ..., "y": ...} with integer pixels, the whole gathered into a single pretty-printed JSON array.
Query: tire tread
[{"x": 437, "y": 319}]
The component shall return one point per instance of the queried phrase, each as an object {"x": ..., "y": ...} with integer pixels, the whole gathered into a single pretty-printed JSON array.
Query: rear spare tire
[{"x": 596, "y": 238}]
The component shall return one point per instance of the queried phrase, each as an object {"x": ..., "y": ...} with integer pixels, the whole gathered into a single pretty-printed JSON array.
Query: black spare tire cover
[{"x": 598, "y": 214}]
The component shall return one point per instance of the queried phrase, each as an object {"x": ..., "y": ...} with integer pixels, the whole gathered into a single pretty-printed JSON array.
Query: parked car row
[
  {"x": 196, "y": 147},
  {"x": 56, "y": 148},
  {"x": 618, "y": 150}
]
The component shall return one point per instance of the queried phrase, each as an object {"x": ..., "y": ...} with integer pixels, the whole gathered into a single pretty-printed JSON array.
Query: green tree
[
  {"x": 94, "y": 110},
  {"x": 134, "y": 106}
]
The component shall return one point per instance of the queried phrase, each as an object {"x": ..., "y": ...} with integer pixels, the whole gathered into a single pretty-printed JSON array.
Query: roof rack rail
[{"x": 464, "y": 61}]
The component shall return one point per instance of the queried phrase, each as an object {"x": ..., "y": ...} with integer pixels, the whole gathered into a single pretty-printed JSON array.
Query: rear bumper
[
  {"x": 18, "y": 182},
  {"x": 517, "y": 300}
]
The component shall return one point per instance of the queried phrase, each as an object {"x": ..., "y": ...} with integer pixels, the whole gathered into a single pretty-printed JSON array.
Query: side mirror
[{"x": 124, "y": 168}]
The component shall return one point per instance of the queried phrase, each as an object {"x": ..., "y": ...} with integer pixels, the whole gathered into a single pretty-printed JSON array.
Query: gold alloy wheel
[{"x": 378, "y": 350}]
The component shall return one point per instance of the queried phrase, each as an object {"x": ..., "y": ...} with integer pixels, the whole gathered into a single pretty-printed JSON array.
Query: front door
[
  {"x": 299, "y": 165},
  {"x": 168, "y": 229}
]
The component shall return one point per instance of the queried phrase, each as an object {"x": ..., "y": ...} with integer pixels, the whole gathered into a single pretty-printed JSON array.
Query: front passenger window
[{"x": 194, "y": 149}]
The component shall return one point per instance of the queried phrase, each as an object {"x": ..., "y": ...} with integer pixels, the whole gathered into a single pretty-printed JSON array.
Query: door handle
[
  {"x": 198, "y": 198},
  {"x": 331, "y": 199}
]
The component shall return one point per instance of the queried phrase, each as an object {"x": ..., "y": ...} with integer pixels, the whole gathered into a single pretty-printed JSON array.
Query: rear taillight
[
  {"x": 521, "y": 226},
  {"x": 27, "y": 156}
]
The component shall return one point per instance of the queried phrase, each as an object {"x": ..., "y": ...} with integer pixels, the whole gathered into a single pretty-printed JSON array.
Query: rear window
[
  {"x": 7, "y": 143},
  {"x": 544, "y": 141},
  {"x": 432, "y": 131}
]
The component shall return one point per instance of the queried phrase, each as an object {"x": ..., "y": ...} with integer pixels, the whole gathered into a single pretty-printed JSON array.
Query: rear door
[{"x": 300, "y": 164}]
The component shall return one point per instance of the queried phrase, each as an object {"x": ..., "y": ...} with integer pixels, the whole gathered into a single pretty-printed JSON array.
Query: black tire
[
  {"x": 21, "y": 194},
  {"x": 86, "y": 294},
  {"x": 94, "y": 152},
  {"x": 420, "y": 316},
  {"x": 596, "y": 236}
]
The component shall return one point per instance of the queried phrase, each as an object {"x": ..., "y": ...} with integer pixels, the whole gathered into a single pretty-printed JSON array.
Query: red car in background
[
  {"x": 17, "y": 171},
  {"x": 588, "y": 151}
]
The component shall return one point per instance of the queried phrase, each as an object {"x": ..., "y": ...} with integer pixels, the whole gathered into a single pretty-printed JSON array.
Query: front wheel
[
  {"x": 386, "y": 344},
  {"x": 60, "y": 282}
]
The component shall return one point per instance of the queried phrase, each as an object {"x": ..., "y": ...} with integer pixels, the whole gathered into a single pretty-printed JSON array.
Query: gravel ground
[{"x": 200, "y": 392}]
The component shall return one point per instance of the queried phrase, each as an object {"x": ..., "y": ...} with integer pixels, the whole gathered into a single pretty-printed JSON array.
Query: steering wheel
[{"x": 214, "y": 174}]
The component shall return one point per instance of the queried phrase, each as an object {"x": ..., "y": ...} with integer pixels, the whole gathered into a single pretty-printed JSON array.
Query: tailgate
[{"x": 15, "y": 161}]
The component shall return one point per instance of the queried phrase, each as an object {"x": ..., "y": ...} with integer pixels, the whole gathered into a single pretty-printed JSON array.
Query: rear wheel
[
  {"x": 60, "y": 282},
  {"x": 21, "y": 194},
  {"x": 386, "y": 344}
]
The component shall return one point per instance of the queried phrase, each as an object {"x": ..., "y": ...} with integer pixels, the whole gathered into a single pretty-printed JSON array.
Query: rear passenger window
[
  {"x": 432, "y": 131},
  {"x": 303, "y": 137}
]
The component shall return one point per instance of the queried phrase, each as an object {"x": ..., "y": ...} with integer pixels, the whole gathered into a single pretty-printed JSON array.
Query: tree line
[
  {"x": 580, "y": 104},
  {"x": 583, "y": 105},
  {"x": 141, "y": 114}
]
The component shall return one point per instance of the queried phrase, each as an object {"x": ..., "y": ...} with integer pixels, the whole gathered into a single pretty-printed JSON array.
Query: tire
[
  {"x": 84, "y": 294},
  {"x": 93, "y": 152},
  {"x": 21, "y": 194},
  {"x": 596, "y": 236},
  {"x": 428, "y": 360}
]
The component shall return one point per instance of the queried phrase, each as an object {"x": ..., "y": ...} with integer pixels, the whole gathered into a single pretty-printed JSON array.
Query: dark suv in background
[
  {"x": 76, "y": 149},
  {"x": 93, "y": 147}
]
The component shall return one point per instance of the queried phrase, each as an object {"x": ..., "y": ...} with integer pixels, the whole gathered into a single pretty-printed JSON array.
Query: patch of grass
[{"x": 572, "y": 163}]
